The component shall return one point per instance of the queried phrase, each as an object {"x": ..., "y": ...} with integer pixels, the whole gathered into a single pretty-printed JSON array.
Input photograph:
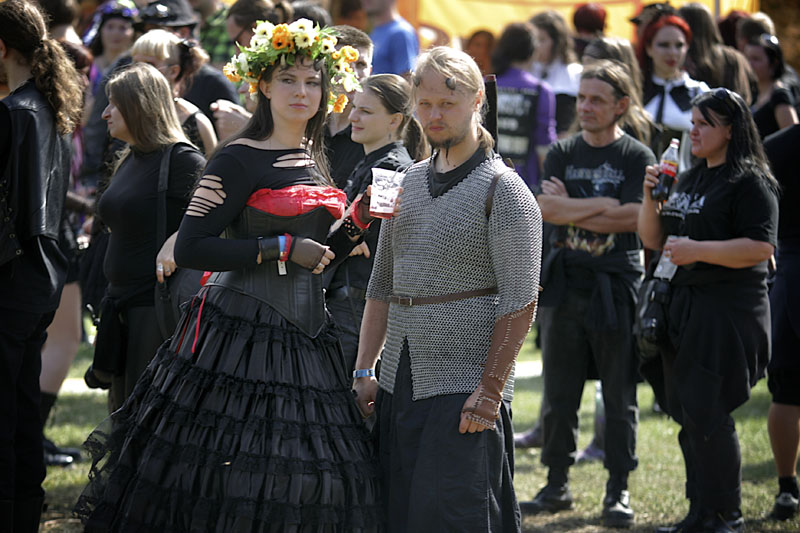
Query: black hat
[
  {"x": 168, "y": 13},
  {"x": 651, "y": 11}
]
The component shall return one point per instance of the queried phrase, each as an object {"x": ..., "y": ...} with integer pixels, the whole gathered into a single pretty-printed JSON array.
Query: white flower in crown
[
  {"x": 241, "y": 63},
  {"x": 341, "y": 66},
  {"x": 263, "y": 33},
  {"x": 328, "y": 45},
  {"x": 301, "y": 26},
  {"x": 350, "y": 84},
  {"x": 303, "y": 39}
]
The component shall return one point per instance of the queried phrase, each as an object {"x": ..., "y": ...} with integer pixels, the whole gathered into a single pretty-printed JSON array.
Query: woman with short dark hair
[
  {"x": 526, "y": 107},
  {"x": 774, "y": 108},
  {"x": 716, "y": 232}
]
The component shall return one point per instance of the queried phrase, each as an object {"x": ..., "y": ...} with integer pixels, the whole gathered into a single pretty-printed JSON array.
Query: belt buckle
[{"x": 405, "y": 300}]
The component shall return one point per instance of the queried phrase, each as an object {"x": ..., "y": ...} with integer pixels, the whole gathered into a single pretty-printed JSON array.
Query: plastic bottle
[{"x": 668, "y": 169}]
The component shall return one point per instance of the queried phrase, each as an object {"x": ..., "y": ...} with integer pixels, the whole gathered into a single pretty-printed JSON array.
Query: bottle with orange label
[{"x": 668, "y": 169}]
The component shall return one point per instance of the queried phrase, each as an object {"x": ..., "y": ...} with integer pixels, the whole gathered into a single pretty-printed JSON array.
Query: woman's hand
[
  {"x": 310, "y": 254},
  {"x": 165, "y": 260},
  {"x": 361, "y": 249},
  {"x": 368, "y": 195},
  {"x": 682, "y": 250},
  {"x": 650, "y": 181}
]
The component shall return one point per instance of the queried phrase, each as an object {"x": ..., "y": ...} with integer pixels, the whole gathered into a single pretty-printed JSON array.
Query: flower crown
[{"x": 283, "y": 43}]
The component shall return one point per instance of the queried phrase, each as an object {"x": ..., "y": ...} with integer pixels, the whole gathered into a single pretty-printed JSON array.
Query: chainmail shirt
[{"x": 445, "y": 245}]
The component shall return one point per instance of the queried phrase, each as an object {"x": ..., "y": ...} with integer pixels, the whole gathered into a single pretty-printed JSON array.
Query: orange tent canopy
[{"x": 459, "y": 18}]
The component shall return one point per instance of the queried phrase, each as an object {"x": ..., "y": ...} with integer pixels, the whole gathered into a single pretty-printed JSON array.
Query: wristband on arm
[{"x": 507, "y": 337}]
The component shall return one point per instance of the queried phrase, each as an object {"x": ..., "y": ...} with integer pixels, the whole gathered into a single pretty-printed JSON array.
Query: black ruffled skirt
[{"x": 240, "y": 423}]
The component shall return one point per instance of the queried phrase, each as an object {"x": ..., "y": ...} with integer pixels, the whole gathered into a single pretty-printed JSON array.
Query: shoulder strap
[
  {"x": 493, "y": 186},
  {"x": 161, "y": 202}
]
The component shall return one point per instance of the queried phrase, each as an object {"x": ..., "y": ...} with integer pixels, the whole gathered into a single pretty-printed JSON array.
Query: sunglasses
[
  {"x": 726, "y": 97},
  {"x": 113, "y": 8},
  {"x": 769, "y": 40},
  {"x": 156, "y": 11}
]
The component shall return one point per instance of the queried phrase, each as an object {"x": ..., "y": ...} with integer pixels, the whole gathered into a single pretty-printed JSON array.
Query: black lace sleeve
[{"x": 221, "y": 194}]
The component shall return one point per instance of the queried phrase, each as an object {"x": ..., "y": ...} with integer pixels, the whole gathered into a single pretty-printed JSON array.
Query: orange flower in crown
[
  {"x": 281, "y": 37},
  {"x": 340, "y": 103}
]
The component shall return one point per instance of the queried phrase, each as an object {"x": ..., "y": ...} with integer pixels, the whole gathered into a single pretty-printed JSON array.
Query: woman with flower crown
[{"x": 244, "y": 420}]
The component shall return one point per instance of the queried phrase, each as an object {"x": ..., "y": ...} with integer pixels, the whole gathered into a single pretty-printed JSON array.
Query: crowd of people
[{"x": 281, "y": 357}]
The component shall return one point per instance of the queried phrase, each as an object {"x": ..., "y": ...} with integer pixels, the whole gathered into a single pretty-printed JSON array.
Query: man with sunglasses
[{"x": 591, "y": 275}]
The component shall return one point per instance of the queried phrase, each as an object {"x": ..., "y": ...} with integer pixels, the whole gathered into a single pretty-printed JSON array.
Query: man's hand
[
  {"x": 554, "y": 187},
  {"x": 365, "y": 390},
  {"x": 229, "y": 117},
  {"x": 471, "y": 413}
]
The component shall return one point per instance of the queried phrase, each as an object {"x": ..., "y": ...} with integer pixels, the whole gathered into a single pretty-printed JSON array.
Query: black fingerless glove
[{"x": 306, "y": 252}]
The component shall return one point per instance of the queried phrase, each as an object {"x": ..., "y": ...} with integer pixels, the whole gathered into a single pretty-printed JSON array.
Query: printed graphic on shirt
[
  {"x": 582, "y": 182},
  {"x": 516, "y": 117},
  {"x": 681, "y": 204}
]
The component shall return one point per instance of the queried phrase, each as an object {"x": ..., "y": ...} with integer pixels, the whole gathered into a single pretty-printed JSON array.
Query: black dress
[
  {"x": 244, "y": 421},
  {"x": 764, "y": 115}
]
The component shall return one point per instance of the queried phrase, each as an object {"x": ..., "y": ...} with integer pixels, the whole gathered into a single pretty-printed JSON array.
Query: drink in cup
[{"x": 385, "y": 186}]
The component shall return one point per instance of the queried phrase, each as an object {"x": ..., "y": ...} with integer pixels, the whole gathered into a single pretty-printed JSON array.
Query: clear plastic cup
[{"x": 385, "y": 187}]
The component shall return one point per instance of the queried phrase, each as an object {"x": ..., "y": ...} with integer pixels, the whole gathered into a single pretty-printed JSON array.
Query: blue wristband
[
  {"x": 364, "y": 373},
  {"x": 281, "y": 244}
]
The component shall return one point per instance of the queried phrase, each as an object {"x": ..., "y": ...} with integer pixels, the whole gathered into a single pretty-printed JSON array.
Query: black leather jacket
[{"x": 36, "y": 176}]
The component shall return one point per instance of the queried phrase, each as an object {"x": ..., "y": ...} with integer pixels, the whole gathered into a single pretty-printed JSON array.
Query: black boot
[
  {"x": 691, "y": 523},
  {"x": 27, "y": 514},
  {"x": 6, "y": 516},
  {"x": 724, "y": 522},
  {"x": 617, "y": 511}
]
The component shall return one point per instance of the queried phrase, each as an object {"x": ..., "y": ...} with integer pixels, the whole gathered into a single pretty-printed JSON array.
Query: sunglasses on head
[
  {"x": 769, "y": 40},
  {"x": 726, "y": 97},
  {"x": 113, "y": 8},
  {"x": 156, "y": 11}
]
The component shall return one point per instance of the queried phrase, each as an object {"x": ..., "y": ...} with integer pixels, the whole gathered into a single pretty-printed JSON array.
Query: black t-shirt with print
[
  {"x": 708, "y": 205},
  {"x": 615, "y": 171}
]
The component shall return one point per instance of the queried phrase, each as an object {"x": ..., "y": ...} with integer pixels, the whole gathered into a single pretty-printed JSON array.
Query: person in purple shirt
[
  {"x": 526, "y": 107},
  {"x": 396, "y": 43}
]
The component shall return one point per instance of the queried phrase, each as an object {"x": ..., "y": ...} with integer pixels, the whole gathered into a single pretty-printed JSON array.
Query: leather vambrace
[{"x": 507, "y": 338}]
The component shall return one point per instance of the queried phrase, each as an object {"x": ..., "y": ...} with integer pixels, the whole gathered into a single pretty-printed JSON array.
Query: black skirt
[{"x": 240, "y": 423}]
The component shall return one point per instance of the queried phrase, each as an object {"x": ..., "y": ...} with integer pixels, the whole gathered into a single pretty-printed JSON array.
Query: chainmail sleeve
[{"x": 515, "y": 244}]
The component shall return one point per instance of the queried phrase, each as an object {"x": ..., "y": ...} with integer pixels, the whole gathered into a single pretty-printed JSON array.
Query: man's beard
[{"x": 445, "y": 144}]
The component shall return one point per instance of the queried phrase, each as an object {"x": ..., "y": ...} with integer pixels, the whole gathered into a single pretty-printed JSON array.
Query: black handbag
[
  {"x": 184, "y": 283},
  {"x": 650, "y": 321}
]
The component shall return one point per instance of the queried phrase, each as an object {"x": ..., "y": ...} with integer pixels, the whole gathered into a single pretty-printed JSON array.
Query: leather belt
[
  {"x": 427, "y": 300},
  {"x": 345, "y": 292}
]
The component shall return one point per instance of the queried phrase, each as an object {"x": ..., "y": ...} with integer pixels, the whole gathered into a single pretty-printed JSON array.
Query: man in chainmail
[
  {"x": 453, "y": 292},
  {"x": 591, "y": 275}
]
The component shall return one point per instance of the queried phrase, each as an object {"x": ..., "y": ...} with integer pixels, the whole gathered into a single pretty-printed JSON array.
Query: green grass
[{"x": 656, "y": 487}]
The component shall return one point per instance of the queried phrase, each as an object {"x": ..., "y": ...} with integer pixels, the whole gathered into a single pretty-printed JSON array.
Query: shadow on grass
[
  {"x": 756, "y": 407},
  {"x": 760, "y": 471},
  {"x": 80, "y": 409}
]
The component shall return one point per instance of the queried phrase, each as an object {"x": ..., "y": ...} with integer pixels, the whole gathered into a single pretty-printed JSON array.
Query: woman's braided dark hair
[{"x": 22, "y": 28}]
